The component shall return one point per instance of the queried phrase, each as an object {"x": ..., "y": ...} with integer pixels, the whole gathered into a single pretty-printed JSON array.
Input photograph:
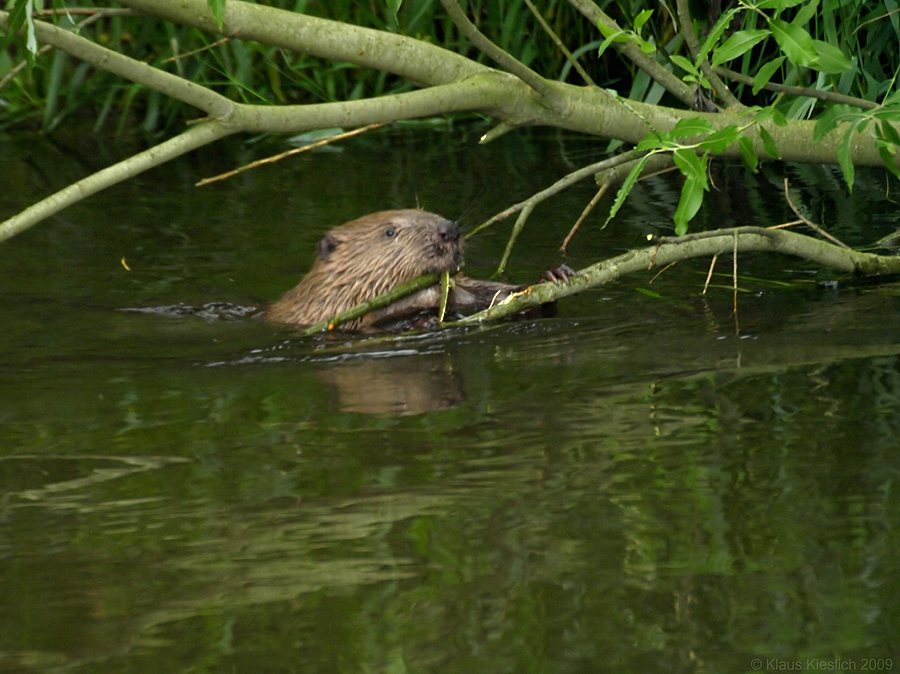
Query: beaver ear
[{"x": 327, "y": 244}]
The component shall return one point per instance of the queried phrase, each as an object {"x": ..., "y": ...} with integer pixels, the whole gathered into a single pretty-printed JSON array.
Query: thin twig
[
  {"x": 378, "y": 302},
  {"x": 93, "y": 15},
  {"x": 830, "y": 96},
  {"x": 653, "y": 256},
  {"x": 737, "y": 327},
  {"x": 810, "y": 223},
  {"x": 690, "y": 38},
  {"x": 506, "y": 61},
  {"x": 587, "y": 211},
  {"x": 712, "y": 266},
  {"x": 633, "y": 53},
  {"x": 89, "y": 11},
  {"x": 557, "y": 187},
  {"x": 559, "y": 43},
  {"x": 529, "y": 204},
  {"x": 194, "y": 52},
  {"x": 659, "y": 273},
  {"x": 783, "y": 225},
  {"x": 289, "y": 153}
]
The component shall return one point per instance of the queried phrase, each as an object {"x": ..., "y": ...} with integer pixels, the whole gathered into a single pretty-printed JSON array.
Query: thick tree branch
[
  {"x": 704, "y": 244},
  {"x": 416, "y": 60},
  {"x": 587, "y": 109}
]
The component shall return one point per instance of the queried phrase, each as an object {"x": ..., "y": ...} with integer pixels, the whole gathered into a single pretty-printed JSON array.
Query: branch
[
  {"x": 690, "y": 38},
  {"x": 506, "y": 61},
  {"x": 383, "y": 300},
  {"x": 214, "y": 104},
  {"x": 524, "y": 208},
  {"x": 94, "y": 15},
  {"x": 198, "y": 136},
  {"x": 559, "y": 43},
  {"x": 407, "y": 57},
  {"x": 704, "y": 244},
  {"x": 829, "y": 96},
  {"x": 657, "y": 71},
  {"x": 588, "y": 109}
]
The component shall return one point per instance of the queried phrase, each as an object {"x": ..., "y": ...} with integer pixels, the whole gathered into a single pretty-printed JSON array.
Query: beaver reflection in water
[{"x": 376, "y": 253}]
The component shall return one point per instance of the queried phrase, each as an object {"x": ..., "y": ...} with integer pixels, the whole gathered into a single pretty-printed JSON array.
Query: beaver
[{"x": 376, "y": 253}]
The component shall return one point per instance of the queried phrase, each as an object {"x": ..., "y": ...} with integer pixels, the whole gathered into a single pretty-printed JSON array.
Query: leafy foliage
[
  {"x": 846, "y": 47},
  {"x": 774, "y": 38},
  {"x": 55, "y": 89}
]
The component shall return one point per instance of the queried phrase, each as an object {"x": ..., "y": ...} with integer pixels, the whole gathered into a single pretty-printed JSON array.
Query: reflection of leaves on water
[{"x": 59, "y": 476}]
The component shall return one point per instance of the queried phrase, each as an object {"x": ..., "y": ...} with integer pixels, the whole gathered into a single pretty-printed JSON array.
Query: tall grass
[{"x": 58, "y": 88}]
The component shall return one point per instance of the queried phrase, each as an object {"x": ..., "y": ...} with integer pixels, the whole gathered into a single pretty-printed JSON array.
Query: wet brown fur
[{"x": 367, "y": 257}]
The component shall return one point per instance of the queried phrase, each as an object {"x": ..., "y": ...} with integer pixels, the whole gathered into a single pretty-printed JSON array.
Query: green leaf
[
  {"x": 648, "y": 293},
  {"x": 778, "y": 4},
  {"x": 15, "y": 22},
  {"x": 805, "y": 13},
  {"x": 690, "y": 202},
  {"x": 769, "y": 144},
  {"x": 690, "y": 165},
  {"x": 764, "y": 74},
  {"x": 610, "y": 32},
  {"x": 891, "y": 114},
  {"x": 778, "y": 117},
  {"x": 693, "y": 126},
  {"x": 844, "y": 160},
  {"x": 27, "y": 7},
  {"x": 625, "y": 189},
  {"x": 641, "y": 19},
  {"x": 834, "y": 115},
  {"x": 716, "y": 32},
  {"x": 685, "y": 65},
  {"x": 652, "y": 141},
  {"x": 218, "y": 11},
  {"x": 719, "y": 141},
  {"x": 893, "y": 98},
  {"x": 614, "y": 36},
  {"x": 830, "y": 59},
  {"x": 795, "y": 42},
  {"x": 890, "y": 161},
  {"x": 888, "y": 134},
  {"x": 737, "y": 45},
  {"x": 393, "y": 6},
  {"x": 764, "y": 114},
  {"x": 646, "y": 47},
  {"x": 748, "y": 153}
]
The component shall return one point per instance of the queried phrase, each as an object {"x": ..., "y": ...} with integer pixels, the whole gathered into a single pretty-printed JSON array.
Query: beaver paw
[{"x": 561, "y": 273}]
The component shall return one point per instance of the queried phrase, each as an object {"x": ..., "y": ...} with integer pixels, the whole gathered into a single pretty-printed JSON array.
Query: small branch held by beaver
[
  {"x": 391, "y": 252},
  {"x": 383, "y": 253}
]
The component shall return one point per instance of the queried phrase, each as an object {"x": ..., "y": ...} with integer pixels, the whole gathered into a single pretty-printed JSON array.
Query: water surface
[{"x": 642, "y": 483}]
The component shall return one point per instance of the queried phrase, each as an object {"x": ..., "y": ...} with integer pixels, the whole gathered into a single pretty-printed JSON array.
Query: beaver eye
[{"x": 390, "y": 232}]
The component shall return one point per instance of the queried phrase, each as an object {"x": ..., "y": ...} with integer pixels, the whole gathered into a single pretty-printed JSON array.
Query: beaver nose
[{"x": 448, "y": 231}]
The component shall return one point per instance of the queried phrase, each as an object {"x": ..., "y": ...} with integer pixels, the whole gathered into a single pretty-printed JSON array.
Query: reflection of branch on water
[{"x": 57, "y": 494}]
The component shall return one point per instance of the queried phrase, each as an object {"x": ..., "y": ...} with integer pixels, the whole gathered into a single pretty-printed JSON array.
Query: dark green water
[{"x": 627, "y": 487}]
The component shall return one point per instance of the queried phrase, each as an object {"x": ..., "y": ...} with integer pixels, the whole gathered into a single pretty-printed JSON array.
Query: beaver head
[{"x": 367, "y": 257}]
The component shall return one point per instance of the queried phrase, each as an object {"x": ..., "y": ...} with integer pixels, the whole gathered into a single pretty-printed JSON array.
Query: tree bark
[{"x": 704, "y": 244}]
